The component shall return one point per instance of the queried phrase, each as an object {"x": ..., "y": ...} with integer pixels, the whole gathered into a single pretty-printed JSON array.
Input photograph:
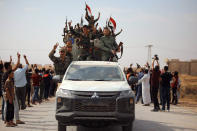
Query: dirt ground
[{"x": 187, "y": 103}]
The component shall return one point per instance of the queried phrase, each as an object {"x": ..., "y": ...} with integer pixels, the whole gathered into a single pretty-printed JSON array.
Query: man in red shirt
[{"x": 36, "y": 79}]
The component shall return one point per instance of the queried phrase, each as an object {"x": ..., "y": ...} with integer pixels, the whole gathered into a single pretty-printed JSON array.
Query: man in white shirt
[
  {"x": 20, "y": 83},
  {"x": 145, "y": 80}
]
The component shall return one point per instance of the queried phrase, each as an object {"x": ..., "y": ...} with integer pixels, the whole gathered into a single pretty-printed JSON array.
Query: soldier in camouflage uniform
[
  {"x": 95, "y": 38},
  {"x": 108, "y": 46},
  {"x": 91, "y": 19},
  {"x": 60, "y": 63},
  {"x": 84, "y": 45},
  {"x": 68, "y": 49}
]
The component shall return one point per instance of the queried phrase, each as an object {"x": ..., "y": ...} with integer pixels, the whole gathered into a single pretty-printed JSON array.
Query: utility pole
[{"x": 149, "y": 54}]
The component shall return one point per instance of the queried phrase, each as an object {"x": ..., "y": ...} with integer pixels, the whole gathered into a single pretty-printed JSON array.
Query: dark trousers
[
  {"x": 46, "y": 91},
  {"x": 165, "y": 97},
  {"x": 35, "y": 95},
  {"x": 160, "y": 93},
  {"x": 151, "y": 93},
  {"x": 136, "y": 90},
  {"x": 139, "y": 93},
  {"x": 52, "y": 88},
  {"x": 28, "y": 93},
  {"x": 2, "y": 108},
  {"x": 20, "y": 94},
  {"x": 155, "y": 96},
  {"x": 41, "y": 90},
  {"x": 10, "y": 112},
  {"x": 174, "y": 95}
]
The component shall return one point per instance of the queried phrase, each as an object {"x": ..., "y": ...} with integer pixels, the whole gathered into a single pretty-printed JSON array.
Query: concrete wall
[
  {"x": 194, "y": 68},
  {"x": 183, "y": 67}
]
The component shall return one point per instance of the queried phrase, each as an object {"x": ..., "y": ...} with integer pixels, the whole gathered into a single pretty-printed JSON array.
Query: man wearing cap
[{"x": 62, "y": 62}]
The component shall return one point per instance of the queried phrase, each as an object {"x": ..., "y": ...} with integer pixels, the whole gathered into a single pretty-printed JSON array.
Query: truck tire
[
  {"x": 61, "y": 127},
  {"x": 128, "y": 127}
]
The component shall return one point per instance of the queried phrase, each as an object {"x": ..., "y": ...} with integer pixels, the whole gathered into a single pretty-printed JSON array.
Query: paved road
[{"x": 41, "y": 118}]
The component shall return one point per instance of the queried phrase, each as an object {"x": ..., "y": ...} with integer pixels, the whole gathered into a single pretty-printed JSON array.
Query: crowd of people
[
  {"x": 154, "y": 85},
  {"x": 22, "y": 87}
]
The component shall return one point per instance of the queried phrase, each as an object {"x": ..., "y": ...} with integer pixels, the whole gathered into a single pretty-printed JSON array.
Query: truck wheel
[
  {"x": 128, "y": 127},
  {"x": 61, "y": 127}
]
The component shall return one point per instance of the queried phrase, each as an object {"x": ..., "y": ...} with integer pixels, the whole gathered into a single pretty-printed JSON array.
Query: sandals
[{"x": 10, "y": 124}]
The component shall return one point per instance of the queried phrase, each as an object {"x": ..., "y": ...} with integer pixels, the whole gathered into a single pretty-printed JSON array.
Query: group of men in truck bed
[{"x": 86, "y": 43}]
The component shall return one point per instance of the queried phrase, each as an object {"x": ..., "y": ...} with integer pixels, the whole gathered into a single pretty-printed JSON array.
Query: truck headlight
[
  {"x": 126, "y": 93},
  {"x": 64, "y": 93}
]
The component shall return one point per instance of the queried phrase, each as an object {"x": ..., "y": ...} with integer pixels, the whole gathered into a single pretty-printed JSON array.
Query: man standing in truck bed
[
  {"x": 108, "y": 46},
  {"x": 62, "y": 62}
]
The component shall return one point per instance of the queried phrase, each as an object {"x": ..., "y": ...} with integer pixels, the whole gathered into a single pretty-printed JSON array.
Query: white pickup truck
[{"x": 94, "y": 93}]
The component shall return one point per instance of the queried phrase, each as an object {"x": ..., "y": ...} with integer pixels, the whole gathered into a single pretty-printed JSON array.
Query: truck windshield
[{"x": 94, "y": 73}]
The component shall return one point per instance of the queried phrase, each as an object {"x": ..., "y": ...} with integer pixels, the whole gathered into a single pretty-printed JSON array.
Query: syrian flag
[
  {"x": 112, "y": 23},
  {"x": 89, "y": 10}
]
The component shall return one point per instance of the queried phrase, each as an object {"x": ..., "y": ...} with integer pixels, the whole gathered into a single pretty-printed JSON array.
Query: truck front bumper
[{"x": 78, "y": 111}]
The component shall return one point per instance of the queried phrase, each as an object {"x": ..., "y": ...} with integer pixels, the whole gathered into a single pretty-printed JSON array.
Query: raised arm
[
  {"x": 51, "y": 54},
  {"x": 153, "y": 63},
  {"x": 33, "y": 68},
  {"x": 147, "y": 65},
  {"x": 157, "y": 62},
  {"x": 18, "y": 62},
  {"x": 10, "y": 59},
  {"x": 26, "y": 61},
  {"x": 87, "y": 17},
  {"x": 97, "y": 18},
  {"x": 118, "y": 33}
]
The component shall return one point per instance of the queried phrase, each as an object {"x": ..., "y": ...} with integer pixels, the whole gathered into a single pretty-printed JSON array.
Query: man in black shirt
[{"x": 166, "y": 77}]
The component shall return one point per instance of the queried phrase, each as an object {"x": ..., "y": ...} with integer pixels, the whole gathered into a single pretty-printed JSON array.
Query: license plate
[{"x": 94, "y": 103}]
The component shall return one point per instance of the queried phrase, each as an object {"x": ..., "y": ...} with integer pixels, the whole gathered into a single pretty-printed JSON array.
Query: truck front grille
[
  {"x": 100, "y": 94},
  {"x": 95, "y": 106}
]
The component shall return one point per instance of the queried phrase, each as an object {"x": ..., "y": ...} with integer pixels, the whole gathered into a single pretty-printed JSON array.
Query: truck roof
[{"x": 107, "y": 63}]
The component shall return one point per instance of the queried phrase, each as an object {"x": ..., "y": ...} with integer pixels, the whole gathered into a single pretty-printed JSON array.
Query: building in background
[{"x": 183, "y": 67}]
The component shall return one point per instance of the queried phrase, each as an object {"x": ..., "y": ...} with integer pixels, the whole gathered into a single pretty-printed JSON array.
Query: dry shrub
[{"x": 188, "y": 86}]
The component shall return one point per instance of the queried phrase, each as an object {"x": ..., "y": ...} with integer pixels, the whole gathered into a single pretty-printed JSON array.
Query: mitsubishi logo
[{"x": 94, "y": 95}]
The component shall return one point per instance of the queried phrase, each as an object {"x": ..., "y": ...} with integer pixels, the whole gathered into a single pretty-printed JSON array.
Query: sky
[{"x": 32, "y": 27}]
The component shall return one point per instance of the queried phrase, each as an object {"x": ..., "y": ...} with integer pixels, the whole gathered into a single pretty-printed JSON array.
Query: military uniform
[
  {"x": 60, "y": 66},
  {"x": 90, "y": 21},
  {"x": 107, "y": 44},
  {"x": 84, "y": 46}
]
